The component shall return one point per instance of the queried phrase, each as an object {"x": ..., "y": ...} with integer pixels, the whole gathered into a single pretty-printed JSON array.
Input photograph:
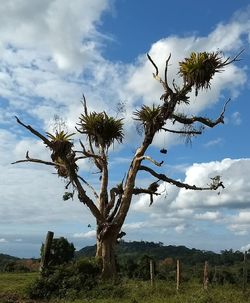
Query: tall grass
[{"x": 130, "y": 291}]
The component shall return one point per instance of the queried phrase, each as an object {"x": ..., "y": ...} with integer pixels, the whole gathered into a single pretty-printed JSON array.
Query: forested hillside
[
  {"x": 158, "y": 251},
  {"x": 6, "y": 259}
]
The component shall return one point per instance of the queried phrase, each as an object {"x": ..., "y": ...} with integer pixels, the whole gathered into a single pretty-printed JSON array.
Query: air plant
[{"x": 199, "y": 69}]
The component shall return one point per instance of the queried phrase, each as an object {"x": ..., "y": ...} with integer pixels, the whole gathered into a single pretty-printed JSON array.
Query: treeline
[
  {"x": 157, "y": 251},
  {"x": 133, "y": 260}
]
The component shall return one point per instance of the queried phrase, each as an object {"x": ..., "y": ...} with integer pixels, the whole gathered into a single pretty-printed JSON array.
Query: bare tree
[{"x": 110, "y": 206}]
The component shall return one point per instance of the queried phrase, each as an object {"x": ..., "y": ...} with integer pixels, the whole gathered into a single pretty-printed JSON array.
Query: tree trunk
[
  {"x": 108, "y": 258},
  {"x": 98, "y": 253}
]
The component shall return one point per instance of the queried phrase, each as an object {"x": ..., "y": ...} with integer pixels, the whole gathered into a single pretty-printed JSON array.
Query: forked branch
[{"x": 151, "y": 160}]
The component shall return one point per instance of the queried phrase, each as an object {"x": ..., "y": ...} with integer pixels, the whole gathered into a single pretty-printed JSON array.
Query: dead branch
[
  {"x": 155, "y": 66},
  {"x": 166, "y": 74},
  {"x": 167, "y": 89},
  {"x": 84, "y": 103},
  {"x": 138, "y": 191},
  {"x": 97, "y": 159},
  {"x": 90, "y": 186},
  {"x": 182, "y": 132},
  {"x": 82, "y": 196},
  {"x": 151, "y": 160},
  {"x": 179, "y": 184},
  {"x": 28, "y": 159},
  {"x": 206, "y": 121},
  {"x": 35, "y": 132},
  {"x": 235, "y": 59},
  {"x": 114, "y": 212}
]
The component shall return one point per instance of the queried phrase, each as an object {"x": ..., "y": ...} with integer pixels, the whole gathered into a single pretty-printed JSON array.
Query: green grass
[
  {"x": 13, "y": 286},
  {"x": 12, "y": 289},
  {"x": 16, "y": 282}
]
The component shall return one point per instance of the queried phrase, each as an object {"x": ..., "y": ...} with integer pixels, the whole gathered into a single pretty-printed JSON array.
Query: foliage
[
  {"x": 101, "y": 129},
  {"x": 61, "y": 251},
  {"x": 5, "y": 259},
  {"x": 66, "y": 280},
  {"x": 16, "y": 267},
  {"x": 199, "y": 69},
  {"x": 12, "y": 289},
  {"x": 149, "y": 117},
  {"x": 60, "y": 136}
]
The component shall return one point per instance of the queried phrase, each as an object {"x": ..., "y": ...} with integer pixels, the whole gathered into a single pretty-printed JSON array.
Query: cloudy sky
[{"x": 52, "y": 51}]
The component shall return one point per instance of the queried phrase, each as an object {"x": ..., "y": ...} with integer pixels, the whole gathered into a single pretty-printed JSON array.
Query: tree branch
[
  {"x": 203, "y": 120},
  {"x": 228, "y": 61},
  {"x": 212, "y": 186},
  {"x": 35, "y": 132},
  {"x": 182, "y": 132},
  {"x": 97, "y": 158},
  {"x": 138, "y": 191},
  {"x": 114, "y": 212},
  {"x": 28, "y": 159},
  {"x": 90, "y": 186},
  {"x": 167, "y": 89},
  {"x": 151, "y": 160}
]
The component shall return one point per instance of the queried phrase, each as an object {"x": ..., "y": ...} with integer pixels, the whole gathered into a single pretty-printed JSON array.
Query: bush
[
  {"x": 61, "y": 251},
  {"x": 66, "y": 280}
]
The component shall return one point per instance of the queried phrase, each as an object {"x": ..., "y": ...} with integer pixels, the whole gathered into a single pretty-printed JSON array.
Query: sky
[{"x": 53, "y": 51}]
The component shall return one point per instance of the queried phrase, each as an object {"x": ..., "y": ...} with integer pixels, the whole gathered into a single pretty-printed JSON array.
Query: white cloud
[
  {"x": 234, "y": 174},
  {"x": 32, "y": 82},
  {"x": 86, "y": 235},
  {"x": 134, "y": 226},
  {"x": 236, "y": 118},
  {"x": 2, "y": 240},
  {"x": 215, "y": 142},
  {"x": 64, "y": 28},
  {"x": 245, "y": 248},
  {"x": 183, "y": 210},
  {"x": 180, "y": 228},
  {"x": 208, "y": 215},
  {"x": 240, "y": 223}
]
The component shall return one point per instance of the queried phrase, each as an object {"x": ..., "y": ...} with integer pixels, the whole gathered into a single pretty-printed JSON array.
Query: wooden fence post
[
  {"x": 152, "y": 272},
  {"x": 177, "y": 274},
  {"x": 46, "y": 251},
  {"x": 205, "y": 276},
  {"x": 245, "y": 271}
]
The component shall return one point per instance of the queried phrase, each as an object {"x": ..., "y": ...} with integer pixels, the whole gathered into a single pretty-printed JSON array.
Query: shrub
[
  {"x": 66, "y": 280},
  {"x": 61, "y": 251}
]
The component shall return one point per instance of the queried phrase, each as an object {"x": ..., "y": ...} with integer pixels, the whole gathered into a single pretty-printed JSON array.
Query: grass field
[{"x": 13, "y": 290}]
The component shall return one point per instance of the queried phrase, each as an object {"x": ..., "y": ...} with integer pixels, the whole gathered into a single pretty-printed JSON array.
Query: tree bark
[{"x": 108, "y": 258}]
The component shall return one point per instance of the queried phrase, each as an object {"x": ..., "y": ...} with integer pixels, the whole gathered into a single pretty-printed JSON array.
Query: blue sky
[{"x": 53, "y": 51}]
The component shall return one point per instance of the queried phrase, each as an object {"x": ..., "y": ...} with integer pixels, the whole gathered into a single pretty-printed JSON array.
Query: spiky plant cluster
[
  {"x": 198, "y": 69},
  {"x": 101, "y": 129},
  {"x": 61, "y": 148},
  {"x": 149, "y": 117}
]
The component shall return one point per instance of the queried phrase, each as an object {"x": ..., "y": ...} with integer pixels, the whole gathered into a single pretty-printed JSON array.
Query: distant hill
[
  {"x": 158, "y": 251},
  {"x": 5, "y": 259}
]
